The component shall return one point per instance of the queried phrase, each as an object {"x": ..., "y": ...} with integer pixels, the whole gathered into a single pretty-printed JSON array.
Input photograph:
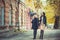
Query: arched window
[{"x": 1, "y": 16}]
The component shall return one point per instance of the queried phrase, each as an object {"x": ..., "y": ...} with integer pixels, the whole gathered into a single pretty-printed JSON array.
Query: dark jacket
[
  {"x": 44, "y": 20},
  {"x": 35, "y": 23}
]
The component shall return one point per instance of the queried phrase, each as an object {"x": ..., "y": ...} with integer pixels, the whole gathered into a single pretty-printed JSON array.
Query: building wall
[
  {"x": 14, "y": 16},
  {"x": 6, "y": 17},
  {"x": 24, "y": 17}
]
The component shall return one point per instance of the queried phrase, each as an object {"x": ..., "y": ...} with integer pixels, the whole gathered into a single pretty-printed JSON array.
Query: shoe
[
  {"x": 34, "y": 38},
  {"x": 41, "y": 38}
]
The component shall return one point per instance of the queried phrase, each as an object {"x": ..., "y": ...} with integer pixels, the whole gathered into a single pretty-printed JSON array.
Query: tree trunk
[{"x": 56, "y": 24}]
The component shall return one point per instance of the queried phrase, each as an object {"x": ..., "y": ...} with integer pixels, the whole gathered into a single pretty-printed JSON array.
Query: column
[
  {"x": 20, "y": 14},
  {"x": 13, "y": 13},
  {"x": 7, "y": 14}
]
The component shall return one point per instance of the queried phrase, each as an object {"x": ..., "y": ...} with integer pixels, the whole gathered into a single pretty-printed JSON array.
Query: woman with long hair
[{"x": 42, "y": 24}]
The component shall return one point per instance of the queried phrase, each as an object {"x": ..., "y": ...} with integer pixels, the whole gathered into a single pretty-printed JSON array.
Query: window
[
  {"x": 1, "y": 16},
  {"x": 10, "y": 18}
]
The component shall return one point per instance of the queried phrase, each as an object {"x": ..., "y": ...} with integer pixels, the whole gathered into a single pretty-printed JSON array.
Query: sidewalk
[
  {"x": 10, "y": 33},
  {"x": 48, "y": 34}
]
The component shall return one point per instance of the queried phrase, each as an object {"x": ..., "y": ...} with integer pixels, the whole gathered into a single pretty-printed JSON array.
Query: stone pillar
[
  {"x": 7, "y": 14},
  {"x": 13, "y": 13},
  {"x": 17, "y": 14},
  {"x": 20, "y": 14}
]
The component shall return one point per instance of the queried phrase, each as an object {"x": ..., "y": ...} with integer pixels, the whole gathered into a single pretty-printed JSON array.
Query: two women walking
[{"x": 36, "y": 23}]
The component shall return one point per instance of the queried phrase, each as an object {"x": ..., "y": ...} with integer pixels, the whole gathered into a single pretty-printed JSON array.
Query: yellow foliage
[
  {"x": 49, "y": 10},
  {"x": 50, "y": 13},
  {"x": 29, "y": 3}
]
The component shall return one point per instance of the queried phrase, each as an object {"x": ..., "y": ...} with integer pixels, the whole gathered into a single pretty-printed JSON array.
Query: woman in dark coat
[
  {"x": 35, "y": 23},
  {"x": 43, "y": 19},
  {"x": 42, "y": 24}
]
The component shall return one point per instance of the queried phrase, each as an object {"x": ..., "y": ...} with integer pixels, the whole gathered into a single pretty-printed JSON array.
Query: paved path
[{"x": 48, "y": 35}]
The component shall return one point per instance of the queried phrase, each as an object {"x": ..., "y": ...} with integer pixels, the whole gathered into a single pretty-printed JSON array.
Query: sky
[{"x": 22, "y": 0}]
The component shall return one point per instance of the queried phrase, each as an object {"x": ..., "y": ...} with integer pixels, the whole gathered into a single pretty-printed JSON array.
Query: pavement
[{"x": 49, "y": 34}]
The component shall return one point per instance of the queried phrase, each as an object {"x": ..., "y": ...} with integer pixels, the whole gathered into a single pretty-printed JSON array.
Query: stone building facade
[{"x": 13, "y": 14}]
